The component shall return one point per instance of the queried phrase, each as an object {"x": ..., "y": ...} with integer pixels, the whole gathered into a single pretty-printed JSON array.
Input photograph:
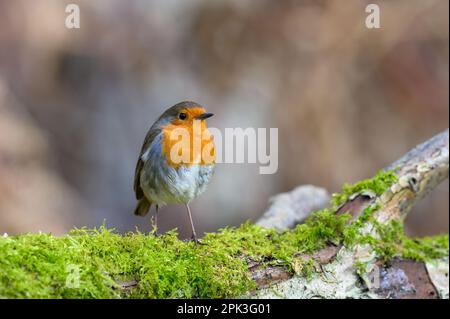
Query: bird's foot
[
  {"x": 154, "y": 231},
  {"x": 196, "y": 241},
  {"x": 153, "y": 223},
  {"x": 157, "y": 234}
]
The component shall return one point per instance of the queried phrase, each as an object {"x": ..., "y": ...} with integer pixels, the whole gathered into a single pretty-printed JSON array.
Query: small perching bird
[{"x": 176, "y": 161}]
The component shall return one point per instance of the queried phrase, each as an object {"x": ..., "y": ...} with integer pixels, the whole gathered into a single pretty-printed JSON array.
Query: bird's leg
[
  {"x": 155, "y": 220},
  {"x": 194, "y": 234}
]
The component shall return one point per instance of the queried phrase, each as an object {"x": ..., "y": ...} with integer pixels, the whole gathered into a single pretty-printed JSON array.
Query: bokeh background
[{"x": 76, "y": 104}]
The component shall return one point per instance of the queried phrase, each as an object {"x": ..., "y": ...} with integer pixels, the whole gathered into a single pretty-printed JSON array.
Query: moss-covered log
[{"x": 354, "y": 248}]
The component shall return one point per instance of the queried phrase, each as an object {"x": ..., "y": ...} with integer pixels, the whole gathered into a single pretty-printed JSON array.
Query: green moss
[
  {"x": 393, "y": 242},
  {"x": 377, "y": 185},
  {"x": 36, "y": 265},
  {"x": 390, "y": 239},
  {"x": 361, "y": 267},
  {"x": 87, "y": 263},
  {"x": 352, "y": 233}
]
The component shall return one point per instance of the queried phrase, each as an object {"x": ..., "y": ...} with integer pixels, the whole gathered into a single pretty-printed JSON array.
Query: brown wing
[{"x": 152, "y": 133}]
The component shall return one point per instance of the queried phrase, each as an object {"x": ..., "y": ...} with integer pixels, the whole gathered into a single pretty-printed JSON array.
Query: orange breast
[{"x": 188, "y": 144}]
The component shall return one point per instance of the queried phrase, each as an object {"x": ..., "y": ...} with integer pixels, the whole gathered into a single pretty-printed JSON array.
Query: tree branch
[
  {"x": 288, "y": 209},
  {"x": 419, "y": 171}
]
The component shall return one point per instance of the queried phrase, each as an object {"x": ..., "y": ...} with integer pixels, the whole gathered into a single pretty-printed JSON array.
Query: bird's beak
[{"x": 204, "y": 116}]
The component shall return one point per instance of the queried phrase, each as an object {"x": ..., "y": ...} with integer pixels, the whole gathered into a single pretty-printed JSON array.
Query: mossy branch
[
  {"x": 419, "y": 171},
  {"x": 376, "y": 238},
  {"x": 338, "y": 251}
]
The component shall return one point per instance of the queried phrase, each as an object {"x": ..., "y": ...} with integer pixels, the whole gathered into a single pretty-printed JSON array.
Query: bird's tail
[{"x": 142, "y": 207}]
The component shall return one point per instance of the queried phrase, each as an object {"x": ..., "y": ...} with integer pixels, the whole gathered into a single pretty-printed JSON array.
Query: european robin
[{"x": 174, "y": 171}]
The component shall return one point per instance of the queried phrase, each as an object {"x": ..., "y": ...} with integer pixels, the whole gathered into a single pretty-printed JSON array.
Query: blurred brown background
[{"x": 75, "y": 104}]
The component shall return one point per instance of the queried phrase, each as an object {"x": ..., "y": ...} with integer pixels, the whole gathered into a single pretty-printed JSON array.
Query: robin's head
[{"x": 183, "y": 114}]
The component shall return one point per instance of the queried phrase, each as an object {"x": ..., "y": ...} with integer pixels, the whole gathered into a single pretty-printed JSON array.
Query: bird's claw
[{"x": 196, "y": 241}]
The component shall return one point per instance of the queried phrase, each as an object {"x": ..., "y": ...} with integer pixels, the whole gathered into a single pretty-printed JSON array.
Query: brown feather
[
  {"x": 142, "y": 207},
  {"x": 152, "y": 133}
]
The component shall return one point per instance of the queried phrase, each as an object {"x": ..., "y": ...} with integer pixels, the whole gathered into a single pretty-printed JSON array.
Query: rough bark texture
[{"x": 418, "y": 171}]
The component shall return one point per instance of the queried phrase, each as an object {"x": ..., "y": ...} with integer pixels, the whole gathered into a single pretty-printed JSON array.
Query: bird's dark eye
[{"x": 182, "y": 116}]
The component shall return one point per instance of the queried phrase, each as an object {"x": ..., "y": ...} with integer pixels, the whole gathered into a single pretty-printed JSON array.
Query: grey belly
[{"x": 165, "y": 185}]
